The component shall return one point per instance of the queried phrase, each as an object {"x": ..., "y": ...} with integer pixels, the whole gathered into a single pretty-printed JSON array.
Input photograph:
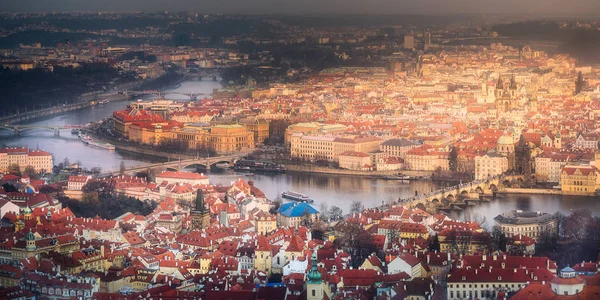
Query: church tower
[
  {"x": 557, "y": 140},
  {"x": 523, "y": 157},
  {"x": 579, "y": 84},
  {"x": 499, "y": 88},
  {"x": 30, "y": 241},
  {"x": 200, "y": 216},
  {"x": 315, "y": 289}
]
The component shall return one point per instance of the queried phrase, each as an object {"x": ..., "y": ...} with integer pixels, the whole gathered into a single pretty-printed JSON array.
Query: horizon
[{"x": 588, "y": 8}]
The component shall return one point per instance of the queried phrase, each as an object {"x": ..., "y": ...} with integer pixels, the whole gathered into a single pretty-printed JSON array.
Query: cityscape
[{"x": 299, "y": 150}]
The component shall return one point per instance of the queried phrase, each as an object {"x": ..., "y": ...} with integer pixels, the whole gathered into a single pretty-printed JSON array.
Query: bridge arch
[
  {"x": 436, "y": 202},
  {"x": 493, "y": 187},
  {"x": 479, "y": 190}
]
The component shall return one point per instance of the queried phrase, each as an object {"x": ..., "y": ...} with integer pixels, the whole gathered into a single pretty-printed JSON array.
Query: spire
[
  {"x": 200, "y": 201},
  {"x": 500, "y": 83},
  {"x": 314, "y": 276},
  {"x": 513, "y": 82}
]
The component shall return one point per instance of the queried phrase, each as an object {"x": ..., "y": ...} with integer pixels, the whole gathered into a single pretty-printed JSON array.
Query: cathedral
[{"x": 506, "y": 98}]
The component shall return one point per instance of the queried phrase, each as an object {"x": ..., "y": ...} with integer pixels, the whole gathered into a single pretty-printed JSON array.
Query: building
[
  {"x": 409, "y": 41},
  {"x": 296, "y": 213},
  {"x": 397, "y": 147},
  {"x": 586, "y": 141},
  {"x": 264, "y": 222},
  {"x": 482, "y": 283},
  {"x": 316, "y": 289},
  {"x": 260, "y": 128},
  {"x": 548, "y": 166},
  {"x": 182, "y": 177},
  {"x": 40, "y": 160},
  {"x": 230, "y": 138},
  {"x": 355, "y": 161},
  {"x": 329, "y": 147},
  {"x": 76, "y": 183},
  {"x": 579, "y": 180},
  {"x": 491, "y": 164},
  {"x": 527, "y": 223},
  {"x": 426, "y": 158}
]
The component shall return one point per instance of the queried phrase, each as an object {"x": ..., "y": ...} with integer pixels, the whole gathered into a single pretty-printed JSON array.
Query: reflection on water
[{"x": 543, "y": 203}]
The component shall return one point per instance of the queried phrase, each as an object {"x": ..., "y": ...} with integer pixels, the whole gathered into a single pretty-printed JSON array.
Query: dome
[
  {"x": 506, "y": 140},
  {"x": 27, "y": 210}
]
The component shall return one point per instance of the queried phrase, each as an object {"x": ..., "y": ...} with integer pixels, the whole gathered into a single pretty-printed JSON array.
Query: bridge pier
[
  {"x": 56, "y": 131},
  {"x": 16, "y": 131}
]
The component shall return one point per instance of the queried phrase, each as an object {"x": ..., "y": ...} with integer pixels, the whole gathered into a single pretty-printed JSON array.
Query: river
[{"x": 335, "y": 190}]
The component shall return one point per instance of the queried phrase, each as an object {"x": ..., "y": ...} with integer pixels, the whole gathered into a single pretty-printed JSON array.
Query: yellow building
[
  {"x": 328, "y": 147},
  {"x": 260, "y": 128},
  {"x": 263, "y": 258},
  {"x": 230, "y": 138},
  {"x": 579, "y": 180},
  {"x": 265, "y": 223},
  {"x": 146, "y": 133},
  {"x": 23, "y": 157}
]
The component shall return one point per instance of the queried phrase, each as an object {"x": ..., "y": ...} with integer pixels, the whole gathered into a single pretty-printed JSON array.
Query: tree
[
  {"x": 30, "y": 171},
  {"x": 356, "y": 207},
  {"x": 122, "y": 168},
  {"x": 498, "y": 239},
  {"x": 96, "y": 171},
  {"x": 318, "y": 230},
  {"x": 324, "y": 215},
  {"x": 66, "y": 162},
  {"x": 453, "y": 159},
  {"x": 14, "y": 169},
  {"x": 335, "y": 213},
  {"x": 9, "y": 187},
  {"x": 275, "y": 205}
]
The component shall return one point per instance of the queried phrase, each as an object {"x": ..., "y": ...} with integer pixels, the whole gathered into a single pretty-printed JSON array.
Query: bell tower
[
  {"x": 315, "y": 289},
  {"x": 30, "y": 241},
  {"x": 200, "y": 216}
]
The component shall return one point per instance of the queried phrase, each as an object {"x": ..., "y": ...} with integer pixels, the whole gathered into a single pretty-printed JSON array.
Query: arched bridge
[
  {"x": 176, "y": 165},
  {"x": 456, "y": 194},
  {"x": 18, "y": 128}
]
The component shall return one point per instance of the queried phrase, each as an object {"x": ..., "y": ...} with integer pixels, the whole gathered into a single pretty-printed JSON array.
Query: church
[{"x": 506, "y": 97}]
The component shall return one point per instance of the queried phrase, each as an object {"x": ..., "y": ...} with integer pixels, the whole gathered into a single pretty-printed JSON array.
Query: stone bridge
[
  {"x": 177, "y": 165},
  {"x": 457, "y": 194}
]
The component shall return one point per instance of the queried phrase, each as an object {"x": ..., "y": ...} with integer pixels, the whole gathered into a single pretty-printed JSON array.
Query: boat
[
  {"x": 296, "y": 197},
  {"x": 223, "y": 166},
  {"x": 75, "y": 131},
  {"x": 100, "y": 144},
  {"x": 258, "y": 167},
  {"x": 250, "y": 174}
]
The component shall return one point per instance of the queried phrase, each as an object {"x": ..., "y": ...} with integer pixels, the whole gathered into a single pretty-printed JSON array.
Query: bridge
[
  {"x": 18, "y": 128},
  {"x": 160, "y": 94},
  {"x": 458, "y": 194},
  {"x": 205, "y": 162}
]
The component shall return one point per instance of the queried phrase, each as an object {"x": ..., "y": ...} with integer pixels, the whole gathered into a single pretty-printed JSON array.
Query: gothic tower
[
  {"x": 523, "y": 157},
  {"x": 579, "y": 83},
  {"x": 200, "y": 216}
]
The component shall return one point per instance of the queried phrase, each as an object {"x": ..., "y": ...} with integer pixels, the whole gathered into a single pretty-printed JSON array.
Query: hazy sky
[{"x": 562, "y": 7}]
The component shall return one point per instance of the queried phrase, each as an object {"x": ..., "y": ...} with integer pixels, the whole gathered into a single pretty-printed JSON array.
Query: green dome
[
  {"x": 27, "y": 210},
  {"x": 30, "y": 236},
  {"x": 314, "y": 276}
]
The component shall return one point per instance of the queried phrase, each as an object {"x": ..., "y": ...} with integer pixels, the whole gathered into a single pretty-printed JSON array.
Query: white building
[
  {"x": 182, "y": 177},
  {"x": 490, "y": 164}
]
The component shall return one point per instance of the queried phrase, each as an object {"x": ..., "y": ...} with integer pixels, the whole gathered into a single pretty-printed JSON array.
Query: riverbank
[
  {"x": 369, "y": 174},
  {"x": 525, "y": 191}
]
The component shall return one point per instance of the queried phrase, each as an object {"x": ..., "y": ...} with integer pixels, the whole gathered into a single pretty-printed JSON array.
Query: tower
[
  {"x": 533, "y": 104},
  {"x": 314, "y": 283},
  {"x": 579, "y": 83},
  {"x": 523, "y": 157},
  {"x": 499, "y": 88},
  {"x": 200, "y": 216},
  {"x": 27, "y": 213},
  {"x": 513, "y": 88},
  {"x": 49, "y": 216},
  {"x": 30, "y": 241},
  {"x": 557, "y": 141}
]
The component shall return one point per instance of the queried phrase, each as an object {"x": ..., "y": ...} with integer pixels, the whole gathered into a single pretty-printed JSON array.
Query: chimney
[
  {"x": 475, "y": 271},
  {"x": 428, "y": 258},
  {"x": 449, "y": 257},
  {"x": 102, "y": 250},
  {"x": 484, "y": 257}
]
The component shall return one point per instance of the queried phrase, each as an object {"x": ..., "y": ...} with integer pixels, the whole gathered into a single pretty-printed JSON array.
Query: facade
[
  {"x": 182, "y": 177},
  {"x": 200, "y": 215},
  {"x": 40, "y": 160},
  {"x": 260, "y": 128},
  {"x": 76, "y": 183},
  {"x": 355, "y": 161},
  {"x": 506, "y": 98},
  {"x": 397, "y": 147},
  {"x": 548, "y": 167},
  {"x": 328, "y": 147},
  {"x": 579, "y": 180},
  {"x": 491, "y": 164},
  {"x": 527, "y": 223},
  {"x": 265, "y": 223},
  {"x": 426, "y": 158},
  {"x": 586, "y": 141}
]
